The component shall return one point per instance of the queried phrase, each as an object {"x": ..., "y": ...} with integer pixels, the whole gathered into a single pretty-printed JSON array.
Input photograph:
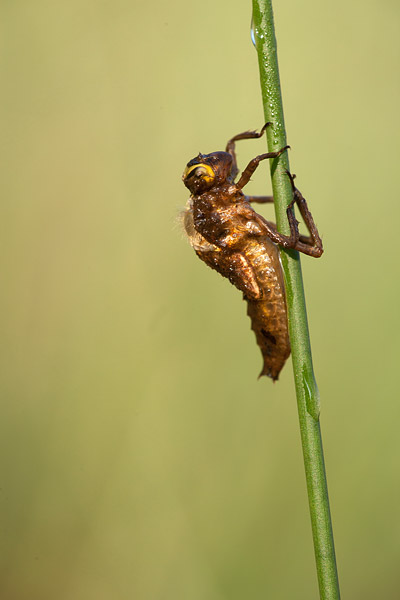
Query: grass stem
[{"x": 306, "y": 387}]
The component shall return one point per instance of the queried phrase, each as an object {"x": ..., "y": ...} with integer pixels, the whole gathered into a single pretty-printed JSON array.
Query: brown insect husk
[{"x": 233, "y": 239}]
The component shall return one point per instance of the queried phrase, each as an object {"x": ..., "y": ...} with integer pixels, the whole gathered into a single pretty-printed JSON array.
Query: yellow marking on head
[{"x": 205, "y": 171}]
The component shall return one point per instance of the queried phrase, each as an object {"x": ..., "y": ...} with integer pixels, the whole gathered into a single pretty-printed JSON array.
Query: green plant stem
[{"x": 306, "y": 387}]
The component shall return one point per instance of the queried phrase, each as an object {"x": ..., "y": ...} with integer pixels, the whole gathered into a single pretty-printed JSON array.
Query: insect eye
[{"x": 202, "y": 171}]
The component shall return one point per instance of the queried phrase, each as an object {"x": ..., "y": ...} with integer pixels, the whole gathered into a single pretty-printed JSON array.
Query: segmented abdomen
[
  {"x": 268, "y": 314},
  {"x": 255, "y": 270}
]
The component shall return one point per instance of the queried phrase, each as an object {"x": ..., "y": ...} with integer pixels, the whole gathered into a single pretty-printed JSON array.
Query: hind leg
[{"x": 307, "y": 245}]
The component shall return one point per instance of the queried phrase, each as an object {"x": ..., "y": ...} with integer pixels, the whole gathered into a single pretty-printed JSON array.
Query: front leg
[{"x": 246, "y": 135}]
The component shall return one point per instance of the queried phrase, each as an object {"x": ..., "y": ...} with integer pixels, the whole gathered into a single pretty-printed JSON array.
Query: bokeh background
[{"x": 140, "y": 456}]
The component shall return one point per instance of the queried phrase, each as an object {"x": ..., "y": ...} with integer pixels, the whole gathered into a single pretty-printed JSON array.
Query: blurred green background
[{"x": 140, "y": 456}]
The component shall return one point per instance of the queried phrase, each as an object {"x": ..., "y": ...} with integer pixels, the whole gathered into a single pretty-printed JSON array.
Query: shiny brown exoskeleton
[{"x": 230, "y": 237}]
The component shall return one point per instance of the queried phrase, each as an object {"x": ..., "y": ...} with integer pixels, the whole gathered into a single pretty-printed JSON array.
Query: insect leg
[
  {"x": 246, "y": 135},
  {"x": 269, "y": 229},
  {"x": 253, "y": 164},
  {"x": 263, "y": 227},
  {"x": 312, "y": 246},
  {"x": 302, "y": 238},
  {"x": 260, "y": 199}
]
